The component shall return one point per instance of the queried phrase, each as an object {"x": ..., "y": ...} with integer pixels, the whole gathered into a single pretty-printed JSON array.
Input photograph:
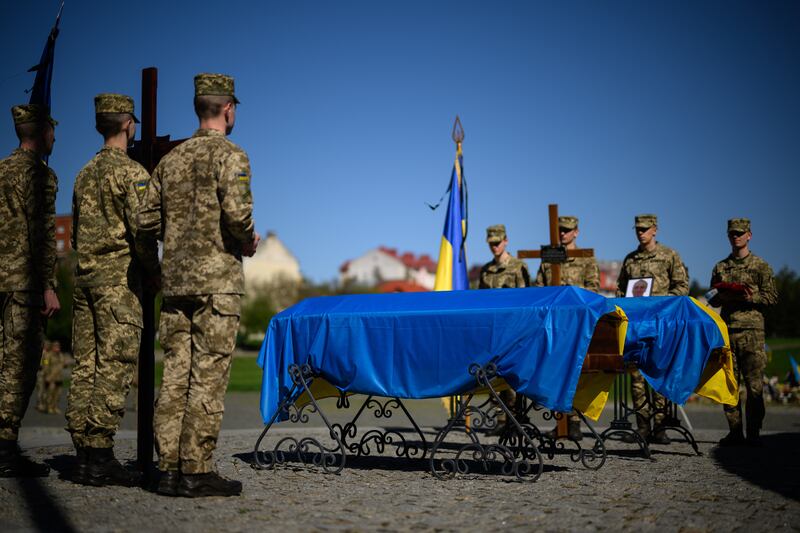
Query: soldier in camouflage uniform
[
  {"x": 51, "y": 378},
  {"x": 744, "y": 286},
  {"x": 27, "y": 274},
  {"x": 664, "y": 265},
  {"x": 107, "y": 309},
  {"x": 504, "y": 271},
  {"x": 199, "y": 203},
  {"x": 577, "y": 271}
]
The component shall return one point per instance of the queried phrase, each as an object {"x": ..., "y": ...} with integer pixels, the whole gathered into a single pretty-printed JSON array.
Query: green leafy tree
[{"x": 783, "y": 319}]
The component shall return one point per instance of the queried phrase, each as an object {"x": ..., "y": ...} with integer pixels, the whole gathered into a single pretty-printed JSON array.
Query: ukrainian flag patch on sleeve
[
  {"x": 243, "y": 176},
  {"x": 141, "y": 185}
]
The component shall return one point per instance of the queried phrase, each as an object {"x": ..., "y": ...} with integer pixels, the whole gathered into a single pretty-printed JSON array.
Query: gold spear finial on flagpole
[{"x": 458, "y": 132}]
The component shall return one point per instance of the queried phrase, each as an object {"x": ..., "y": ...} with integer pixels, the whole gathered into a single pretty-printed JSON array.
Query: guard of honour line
[{"x": 198, "y": 202}]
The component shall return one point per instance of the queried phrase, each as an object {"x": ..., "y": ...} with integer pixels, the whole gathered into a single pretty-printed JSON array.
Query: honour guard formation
[{"x": 173, "y": 220}]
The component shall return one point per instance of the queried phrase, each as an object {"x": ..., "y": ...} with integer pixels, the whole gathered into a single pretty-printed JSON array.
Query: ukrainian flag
[{"x": 451, "y": 272}]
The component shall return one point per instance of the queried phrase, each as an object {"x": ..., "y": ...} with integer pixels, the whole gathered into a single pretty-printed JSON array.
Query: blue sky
[{"x": 684, "y": 109}]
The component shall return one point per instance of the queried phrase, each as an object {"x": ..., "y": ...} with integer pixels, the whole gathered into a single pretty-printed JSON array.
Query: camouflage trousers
[
  {"x": 749, "y": 360},
  {"x": 198, "y": 334},
  {"x": 106, "y": 332},
  {"x": 49, "y": 394},
  {"x": 22, "y": 335},
  {"x": 646, "y": 408}
]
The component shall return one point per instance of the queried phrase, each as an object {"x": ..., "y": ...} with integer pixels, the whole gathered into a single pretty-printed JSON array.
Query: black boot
[
  {"x": 81, "y": 473},
  {"x": 14, "y": 464},
  {"x": 734, "y": 438},
  {"x": 168, "y": 483},
  {"x": 754, "y": 438},
  {"x": 210, "y": 484},
  {"x": 630, "y": 438},
  {"x": 574, "y": 430},
  {"x": 104, "y": 469},
  {"x": 659, "y": 437}
]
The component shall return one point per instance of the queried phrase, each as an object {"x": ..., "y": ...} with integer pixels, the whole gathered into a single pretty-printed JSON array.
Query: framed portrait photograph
[{"x": 639, "y": 287}]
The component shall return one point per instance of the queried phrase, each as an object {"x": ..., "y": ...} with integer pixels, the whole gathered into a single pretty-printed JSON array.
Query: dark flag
[{"x": 40, "y": 93}]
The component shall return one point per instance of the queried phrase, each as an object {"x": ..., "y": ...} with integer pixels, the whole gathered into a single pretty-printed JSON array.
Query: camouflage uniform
[
  {"x": 107, "y": 308},
  {"x": 746, "y": 327},
  {"x": 50, "y": 379},
  {"x": 664, "y": 265},
  {"x": 510, "y": 274},
  {"x": 577, "y": 271},
  {"x": 199, "y": 202},
  {"x": 27, "y": 268}
]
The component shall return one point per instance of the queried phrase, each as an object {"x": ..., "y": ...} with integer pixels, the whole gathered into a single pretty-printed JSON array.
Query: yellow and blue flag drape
[
  {"x": 40, "y": 93},
  {"x": 451, "y": 272}
]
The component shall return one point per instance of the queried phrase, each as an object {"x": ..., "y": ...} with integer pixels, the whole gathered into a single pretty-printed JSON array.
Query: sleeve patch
[
  {"x": 141, "y": 185},
  {"x": 243, "y": 177}
]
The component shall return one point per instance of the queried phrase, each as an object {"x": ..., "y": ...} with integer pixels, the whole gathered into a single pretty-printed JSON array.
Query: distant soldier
[
  {"x": 27, "y": 274},
  {"x": 577, "y": 271},
  {"x": 744, "y": 286},
  {"x": 107, "y": 308},
  {"x": 504, "y": 271},
  {"x": 199, "y": 203},
  {"x": 651, "y": 260},
  {"x": 51, "y": 378}
]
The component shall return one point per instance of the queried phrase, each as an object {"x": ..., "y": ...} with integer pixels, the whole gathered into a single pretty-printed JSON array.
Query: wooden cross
[
  {"x": 148, "y": 152},
  {"x": 554, "y": 254}
]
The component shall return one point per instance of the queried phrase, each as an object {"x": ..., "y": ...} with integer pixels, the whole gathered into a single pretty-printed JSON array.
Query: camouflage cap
[
  {"x": 26, "y": 113},
  {"x": 496, "y": 233},
  {"x": 568, "y": 222},
  {"x": 214, "y": 85},
  {"x": 114, "y": 103},
  {"x": 645, "y": 221},
  {"x": 739, "y": 224}
]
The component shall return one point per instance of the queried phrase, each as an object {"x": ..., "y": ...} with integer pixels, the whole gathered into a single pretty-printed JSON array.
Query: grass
[
  {"x": 780, "y": 350},
  {"x": 245, "y": 375}
]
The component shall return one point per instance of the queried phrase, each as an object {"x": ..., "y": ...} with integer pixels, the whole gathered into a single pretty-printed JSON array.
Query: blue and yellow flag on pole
[
  {"x": 795, "y": 369},
  {"x": 40, "y": 93},
  {"x": 451, "y": 272}
]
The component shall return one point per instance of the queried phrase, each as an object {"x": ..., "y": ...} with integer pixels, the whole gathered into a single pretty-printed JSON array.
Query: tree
[{"x": 783, "y": 319}]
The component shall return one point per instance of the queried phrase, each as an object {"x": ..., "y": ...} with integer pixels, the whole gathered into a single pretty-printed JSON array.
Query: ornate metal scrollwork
[
  {"x": 526, "y": 466},
  {"x": 332, "y": 460}
]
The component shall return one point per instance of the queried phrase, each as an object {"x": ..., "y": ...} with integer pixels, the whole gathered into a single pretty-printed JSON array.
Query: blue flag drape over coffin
[
  {"x": 671, "y": 340},
  {"x": 420, "y": 345}
]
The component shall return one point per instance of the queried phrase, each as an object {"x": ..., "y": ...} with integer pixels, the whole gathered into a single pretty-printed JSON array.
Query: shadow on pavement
[
  {"x": 45, "y": 511},
  {"x": 775, "y": 466}
]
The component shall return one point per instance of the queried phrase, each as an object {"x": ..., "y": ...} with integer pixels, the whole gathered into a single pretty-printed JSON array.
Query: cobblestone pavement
[{"x": 723, "y": 489}]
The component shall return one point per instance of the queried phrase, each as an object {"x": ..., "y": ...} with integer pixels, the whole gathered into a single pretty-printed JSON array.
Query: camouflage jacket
[
  {"x": 755, "y": 274},
  {"x": 663, "y": 264},
  {"x": 27, "y": 223},
  {"x": 509, "y": 274},
  {"x": 199, "y": 203},
  {"x": 104, "y": 206},
  {"x": 578, "y": 271}
]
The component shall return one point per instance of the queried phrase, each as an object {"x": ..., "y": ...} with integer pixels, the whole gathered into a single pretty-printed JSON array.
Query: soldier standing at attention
[
  {"x": 504, "y": 271},
  {"x": 107, "y": 307},
  {"x": 651, "y": 260},
  {"x": 744, "y": 287},
  {"x": 199, "y": 203},
  {"x": 27, "y": 275},
  {"x": 577, "y": 271}
]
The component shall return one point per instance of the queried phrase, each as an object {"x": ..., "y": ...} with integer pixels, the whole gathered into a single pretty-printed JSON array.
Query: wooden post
[{"x": 555, "y": 272}]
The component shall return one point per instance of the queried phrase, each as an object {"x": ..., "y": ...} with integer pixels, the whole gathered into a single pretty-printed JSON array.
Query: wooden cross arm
[{"x": 537, "y": 254}]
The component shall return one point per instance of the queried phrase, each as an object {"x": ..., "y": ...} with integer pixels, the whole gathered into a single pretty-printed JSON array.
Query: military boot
[
  {"x": 168, "y": 483},
  {"x": 14, "y": 464},
  {"x": 754, "y": 438},
  {"x": 659, "y": 437},
  {"x": 81, "y": 472},
  {"x": 209, "y": 484},
  {"x": 630, "y": 438},
  {"x": 574, "y": 430},
  {"x": 734, "y": 438},
  {"x": 104, "y": 469}
]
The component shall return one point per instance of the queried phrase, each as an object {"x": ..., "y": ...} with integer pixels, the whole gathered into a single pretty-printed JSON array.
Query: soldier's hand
[
  {"x": 51, "y": 303},
  {"x": 249, "y": 249}
]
